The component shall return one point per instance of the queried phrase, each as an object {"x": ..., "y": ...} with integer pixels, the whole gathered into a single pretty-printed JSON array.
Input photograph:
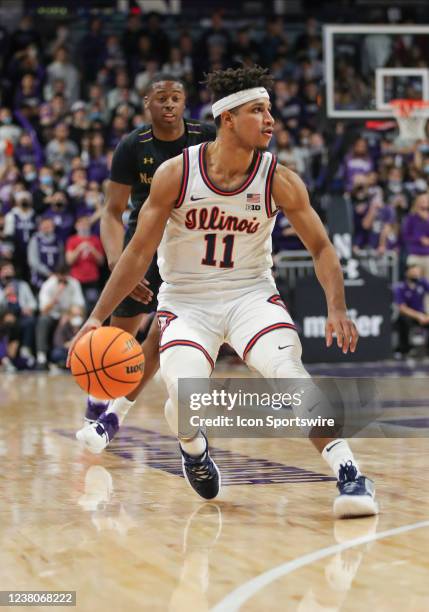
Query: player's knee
[
  {"x": 278, "y": 355},
  {"x": 182, "y": 362}
]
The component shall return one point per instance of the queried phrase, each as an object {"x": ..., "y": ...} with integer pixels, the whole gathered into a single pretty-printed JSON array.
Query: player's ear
[{"x": 227, "y": 119}]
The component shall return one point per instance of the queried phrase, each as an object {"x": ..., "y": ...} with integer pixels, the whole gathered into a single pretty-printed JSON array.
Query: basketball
[{"x": 107, "y": 363}]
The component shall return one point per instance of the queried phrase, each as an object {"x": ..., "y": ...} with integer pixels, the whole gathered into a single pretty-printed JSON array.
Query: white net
[{"x": 412, "y": 116}]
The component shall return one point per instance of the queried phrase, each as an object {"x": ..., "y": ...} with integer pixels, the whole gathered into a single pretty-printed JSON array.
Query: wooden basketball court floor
[{"x": 124, "y": 531}]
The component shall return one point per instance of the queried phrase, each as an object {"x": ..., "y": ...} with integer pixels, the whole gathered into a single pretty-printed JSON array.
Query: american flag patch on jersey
[{"x": 253, "y": 198}]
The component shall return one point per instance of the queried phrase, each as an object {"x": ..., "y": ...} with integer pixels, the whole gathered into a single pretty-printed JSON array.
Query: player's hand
[
  {"x": 142, "y": 293},
  {"x": 347, "y": 335},
  {"x": 91, "y": 323}
]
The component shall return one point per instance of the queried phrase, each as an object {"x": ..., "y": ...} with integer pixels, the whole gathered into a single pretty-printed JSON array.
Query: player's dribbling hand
[
  {"x": 89, "y": 325},
  {"x": 345, "y": 330},
  {"x": 142, "y": 293}
]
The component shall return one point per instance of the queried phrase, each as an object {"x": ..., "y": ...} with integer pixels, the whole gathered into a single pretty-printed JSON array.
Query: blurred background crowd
[{"x": 68, "y": 96}]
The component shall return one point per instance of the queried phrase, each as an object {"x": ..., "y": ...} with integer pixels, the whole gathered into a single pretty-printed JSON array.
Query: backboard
[{"x": 368, "y": 66}]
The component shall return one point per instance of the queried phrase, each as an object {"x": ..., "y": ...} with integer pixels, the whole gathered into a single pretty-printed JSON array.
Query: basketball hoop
[{"x": 411, "y": 116}]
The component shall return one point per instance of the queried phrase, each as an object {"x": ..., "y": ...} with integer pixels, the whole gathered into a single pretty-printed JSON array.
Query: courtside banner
[{"x": 303, "y": 407}]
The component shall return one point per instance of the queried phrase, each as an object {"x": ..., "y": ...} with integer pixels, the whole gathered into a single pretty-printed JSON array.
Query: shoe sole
[
  {"x": 350, "y": 506},
  {"x": 189, "y": 484},
  {"x": 91, "y": 440}
]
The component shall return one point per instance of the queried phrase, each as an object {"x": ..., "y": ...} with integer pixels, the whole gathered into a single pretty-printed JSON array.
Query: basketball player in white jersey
[{"x": 211, "y": 212}]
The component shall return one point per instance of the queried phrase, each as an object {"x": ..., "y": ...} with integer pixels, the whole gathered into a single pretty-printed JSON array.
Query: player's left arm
[{"x": 291, "y": 197}]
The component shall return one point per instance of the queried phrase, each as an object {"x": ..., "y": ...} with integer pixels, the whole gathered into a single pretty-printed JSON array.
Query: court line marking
[{"x": 235, "y": 599}]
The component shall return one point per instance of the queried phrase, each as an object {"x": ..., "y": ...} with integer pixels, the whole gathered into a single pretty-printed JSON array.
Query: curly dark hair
[
  {"x": 225, "y": 82},
  {"x": 222, "y": 83}
]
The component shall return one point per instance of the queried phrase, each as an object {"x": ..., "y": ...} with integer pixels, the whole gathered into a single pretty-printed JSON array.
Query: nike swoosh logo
[
  {"x": 194, "y": 199},
  {"x": 283, "y": 347},
  {"x": 332, "y": 446}
]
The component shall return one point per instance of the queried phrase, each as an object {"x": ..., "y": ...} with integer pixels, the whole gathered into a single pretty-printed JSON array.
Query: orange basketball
[{"x": 107, "y": 362}]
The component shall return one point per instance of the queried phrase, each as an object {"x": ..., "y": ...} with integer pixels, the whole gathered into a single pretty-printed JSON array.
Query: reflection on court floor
[{"x": 125, "y": 532}]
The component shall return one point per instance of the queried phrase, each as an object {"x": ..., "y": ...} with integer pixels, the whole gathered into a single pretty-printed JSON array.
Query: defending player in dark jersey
[{"x": 134, "y": 163}]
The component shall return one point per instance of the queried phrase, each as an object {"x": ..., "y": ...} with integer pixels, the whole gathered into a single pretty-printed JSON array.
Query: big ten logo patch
[{"x": 164, "y": 319}]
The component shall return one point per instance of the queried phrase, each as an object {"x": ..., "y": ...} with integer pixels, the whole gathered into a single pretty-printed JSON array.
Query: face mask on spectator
[
  {"x": 7, "y": 120},
  {"x": 76, "y": 321},
  {"x": 91, "y": 201},
  {"x": 30, "y": 176},
  {"x": 46, "y": 179},
  {"x": 395, "y": 186}
]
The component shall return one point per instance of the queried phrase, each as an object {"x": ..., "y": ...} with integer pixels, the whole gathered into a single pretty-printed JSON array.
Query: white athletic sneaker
[{"x": 96, "y": 436}]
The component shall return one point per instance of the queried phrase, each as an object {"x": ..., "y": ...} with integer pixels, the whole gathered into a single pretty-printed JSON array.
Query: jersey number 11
[{"x": 209, "y": 258}]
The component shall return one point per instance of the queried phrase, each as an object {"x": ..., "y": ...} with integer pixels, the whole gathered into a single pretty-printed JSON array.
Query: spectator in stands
[
  {"x": 26, "y": 34},
  {"x": 9, "y": 341},
  {"x": 20, "y": 224},
  {"x": 80, "y": 123},
  {"x": 160, "y": 42},
  {"x": 29, "y": 175},
  {"x": 245, "y": 48},
  {"x": 85, "y": 256},
  {"x": 45, "y": 252},
  {"x": 42, "y": 196},
  {"x": 62, "y": 215},
  {"x": 62, "y": 68},
  {"x": 9, "y": 131},
  {"x": 6, "y": 244},
  {"x": 143, "y": 79},
  {"x": 17, "y": 298},
  {"x": 358, "y": 161},
  {"x": 68, "y": 326},
  {"x": 409, "y": 296},
  {"x": 121, "y": 92},
  {"x": 361, "y": 204},
  {"x": 113, "y": 54},
  {"x": 176, "y": 66},
  {"x": 93, "y": 49},
  {"x": 285, "y": 150},
  {"x": 28, "y": 150},
  {"x": 28, "y": 96},
  {"x": 415, "y": 234},
  {"x": 130, "y": 38},
  {"x": 275, "y": 41},
  {"x": 58, "y": 294},
  {"x": 61, "y": 149},
  {"x": 285, "y": 237}
]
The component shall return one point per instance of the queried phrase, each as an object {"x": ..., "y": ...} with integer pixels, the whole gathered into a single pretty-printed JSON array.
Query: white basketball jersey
[{"x": 214, "y": 235}]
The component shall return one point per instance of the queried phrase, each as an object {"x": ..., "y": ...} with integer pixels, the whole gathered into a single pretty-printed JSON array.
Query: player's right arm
[{"x": 136, "y": 258}]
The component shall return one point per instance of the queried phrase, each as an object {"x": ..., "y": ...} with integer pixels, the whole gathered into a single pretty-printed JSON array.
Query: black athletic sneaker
[
  {"x": 201, "y": 473},
  {"x": 356, "y": 496}
]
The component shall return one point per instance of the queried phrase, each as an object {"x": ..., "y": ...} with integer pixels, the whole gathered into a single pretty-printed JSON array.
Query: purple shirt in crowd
[
  {"x": 354, "y": 166},
  {"x": 64, "y": 222},
  {"x": 97, "y": 169},
  {"x": 384, "y": 215},
  {"x": 360, "y": 234},
  {"x": 413, "y": 229},
  {"x": 412, "y": 294}
]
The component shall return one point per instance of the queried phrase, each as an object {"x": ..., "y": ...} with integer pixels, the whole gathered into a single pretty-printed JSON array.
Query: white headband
[{"x": 238, "y": 98}]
